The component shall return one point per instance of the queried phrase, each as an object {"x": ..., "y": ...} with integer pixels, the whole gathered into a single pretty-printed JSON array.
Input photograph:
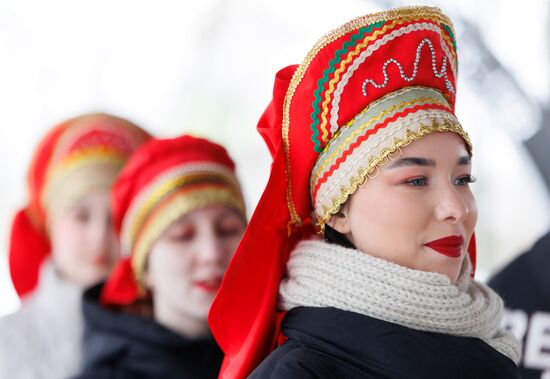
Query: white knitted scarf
[{"x": 321, "y": 274}]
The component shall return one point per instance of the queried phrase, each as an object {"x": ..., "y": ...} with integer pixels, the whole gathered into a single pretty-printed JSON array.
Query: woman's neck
[{"x": 181, "y": 323}]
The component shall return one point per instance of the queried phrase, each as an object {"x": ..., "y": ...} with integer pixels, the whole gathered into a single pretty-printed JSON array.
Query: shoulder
[
  {"x": 13, "y": 333},
  {"x": 16, "y": 326},
  {"x": 107, "y": 373},
  {"x": 30, "y": 345},
  {"x": 287, "y": 361},
  {"x": 294, "y": 360}
]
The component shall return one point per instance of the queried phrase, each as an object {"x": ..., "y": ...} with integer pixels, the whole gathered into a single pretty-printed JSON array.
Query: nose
[
  {"x": 451, "y": 205},
  {"x": 103, "y": 236},
  {"x": 211, "y": 250}
]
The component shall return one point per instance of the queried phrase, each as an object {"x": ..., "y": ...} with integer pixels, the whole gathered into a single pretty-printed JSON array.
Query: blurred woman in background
[
  {"x": 62, "y": 242},
  {"x": 180, "y": 214}
]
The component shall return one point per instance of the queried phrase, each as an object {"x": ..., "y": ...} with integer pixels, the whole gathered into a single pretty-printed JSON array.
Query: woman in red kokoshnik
[
  {"x": 358, "y": 261},
  {"x": 180, "y": 214},
  {"x": 62, "y": 242}
]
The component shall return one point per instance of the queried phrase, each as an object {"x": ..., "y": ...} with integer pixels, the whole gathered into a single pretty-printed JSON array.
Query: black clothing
[
  {"x": 331, "y": 343},
  {"x": 119, "y": 345},
  {"x": 524, "y": 285}
]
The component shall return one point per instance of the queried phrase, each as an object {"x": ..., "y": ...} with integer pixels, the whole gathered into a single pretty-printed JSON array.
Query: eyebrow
[
  {"x": 425, "y": 162},
  {"x": 412, "y": 161}
]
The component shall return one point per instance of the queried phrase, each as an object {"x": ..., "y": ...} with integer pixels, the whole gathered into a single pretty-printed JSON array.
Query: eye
[
  {"x": 181, "y": 234},
  {"x": 465, "y": 180},
  {"x": 229, "y": 232},
  {"x": 417, "y": 182},
  {"x": 230, "y": 227}
]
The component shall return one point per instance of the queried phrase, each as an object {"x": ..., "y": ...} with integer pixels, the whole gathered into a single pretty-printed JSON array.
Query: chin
[
  {"x": 94, "y": 277},
  {"x": 197, "y": 311}
]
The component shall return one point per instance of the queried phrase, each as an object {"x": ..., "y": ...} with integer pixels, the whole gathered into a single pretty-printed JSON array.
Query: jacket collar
[{"x": 140, "y": 344}]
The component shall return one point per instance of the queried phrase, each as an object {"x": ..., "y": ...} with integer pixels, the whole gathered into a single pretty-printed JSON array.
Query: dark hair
[{"x": 335, "y": 237}]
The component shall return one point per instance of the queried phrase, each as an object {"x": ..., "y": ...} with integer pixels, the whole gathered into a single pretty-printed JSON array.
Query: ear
[{"x": 340, "y": 221}]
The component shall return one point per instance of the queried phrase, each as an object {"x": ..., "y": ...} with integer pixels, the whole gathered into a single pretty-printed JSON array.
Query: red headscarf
[
  {"x": 165, "y": 179},
  {"x": 349, "y": 69},
  {"x": 93, "y": 139}
]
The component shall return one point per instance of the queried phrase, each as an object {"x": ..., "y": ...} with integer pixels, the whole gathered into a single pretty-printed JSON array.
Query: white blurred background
[{"x": 207, "y": 67}]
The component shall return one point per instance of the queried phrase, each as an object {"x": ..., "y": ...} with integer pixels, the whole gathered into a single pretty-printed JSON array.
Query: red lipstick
[
  {"x": 101, "y": 261},
  {"x": 450, "y": 246},
  {"x": 210, "y": 286}
]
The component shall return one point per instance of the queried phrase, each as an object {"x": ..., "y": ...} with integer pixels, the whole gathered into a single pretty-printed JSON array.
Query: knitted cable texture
[{"x": 321, "y": 274}]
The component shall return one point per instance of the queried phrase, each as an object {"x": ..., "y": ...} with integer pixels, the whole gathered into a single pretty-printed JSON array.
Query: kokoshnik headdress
[
  {"x": 76, "y": 157},
  {"x": 164, "y": 180}
]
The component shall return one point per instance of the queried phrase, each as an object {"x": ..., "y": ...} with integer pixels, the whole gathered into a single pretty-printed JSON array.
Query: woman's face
[
  {"x": 187, "y": 263},
  {"x": 419, "y": 211},
  {"x": 84, "y": 245}
]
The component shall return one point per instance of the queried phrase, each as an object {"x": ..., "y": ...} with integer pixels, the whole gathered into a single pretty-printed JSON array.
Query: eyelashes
[
  {"x": 188, "y": 235},
  {"x": 465, "y": 180},
  {"x": 422, "y": 181},
  {"x": 417, "y": 182}
]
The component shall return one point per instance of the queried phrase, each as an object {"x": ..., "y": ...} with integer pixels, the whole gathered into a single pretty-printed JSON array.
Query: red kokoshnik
[{"x": 164, "y": 180}]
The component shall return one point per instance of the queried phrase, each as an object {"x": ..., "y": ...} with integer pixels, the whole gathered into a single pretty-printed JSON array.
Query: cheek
[
  {"x": 170, "y": 264},
  {"x": 230, "y": 246},
  {"x": 406, "y": 212},
  {"x": 394, "y": 217},
  {"x": 471, "y": 220},
  {"x": 69, "y": 253},
  {"x": 67, "y": 238}
]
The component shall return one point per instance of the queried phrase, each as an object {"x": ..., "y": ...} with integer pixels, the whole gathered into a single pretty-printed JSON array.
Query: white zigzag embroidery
[
  {"x": 442, "y": 73},
  {"x": 334, "y": 125}
]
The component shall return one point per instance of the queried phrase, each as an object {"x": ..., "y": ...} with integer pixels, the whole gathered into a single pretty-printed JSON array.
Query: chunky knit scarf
[{"x": 321, "y": 274}]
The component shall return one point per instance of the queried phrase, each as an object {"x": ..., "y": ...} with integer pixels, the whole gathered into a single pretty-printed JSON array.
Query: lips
[
  {"x": 450, "y": 246},
  {"x": 100, "y": 260},
  {"x": 210, "y": 285}
]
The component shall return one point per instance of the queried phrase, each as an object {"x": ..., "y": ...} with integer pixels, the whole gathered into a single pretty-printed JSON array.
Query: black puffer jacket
[
  {"x": 331, "y": 343},
  {"x": 123, "y": 346},
  {"x": 524, "y": 285}
]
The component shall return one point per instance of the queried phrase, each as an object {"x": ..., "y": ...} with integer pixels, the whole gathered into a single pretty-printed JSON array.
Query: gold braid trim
[
  {"x": 375, "y": 162},
  {"x": 67, "y": 184},
  {"x": 91, "y": 156},
  {"x": 163, "y": 188}
]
